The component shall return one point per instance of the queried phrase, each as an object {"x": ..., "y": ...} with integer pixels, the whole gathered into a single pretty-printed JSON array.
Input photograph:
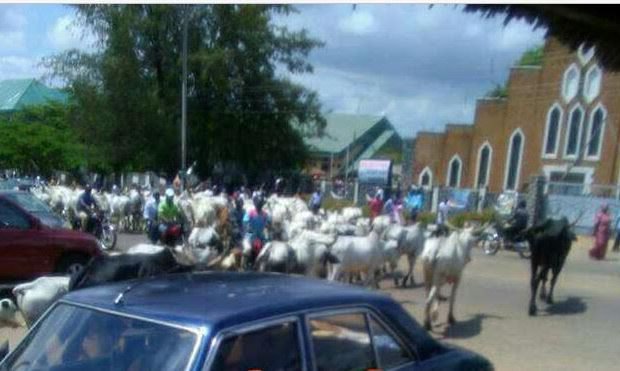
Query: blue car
[{"x": 232, "y": 321}]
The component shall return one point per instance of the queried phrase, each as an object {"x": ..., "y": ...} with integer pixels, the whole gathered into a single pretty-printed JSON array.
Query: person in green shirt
[{"x": 167, "y": 212}]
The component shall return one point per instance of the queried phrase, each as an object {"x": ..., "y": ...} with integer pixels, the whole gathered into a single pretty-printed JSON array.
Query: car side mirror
[{"x": 4, "y": 350}]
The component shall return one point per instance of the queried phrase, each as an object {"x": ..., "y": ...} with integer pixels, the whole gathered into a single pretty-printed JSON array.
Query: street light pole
[{"x": 184, "y": 95}]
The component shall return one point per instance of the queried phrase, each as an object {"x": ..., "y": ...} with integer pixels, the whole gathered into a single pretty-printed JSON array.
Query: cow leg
[
  {"x": 455, "y": 286},
  {"x": 533, "y": 288},
  {"x": 555, "y": 272},
  {"x": 411, "y": 263},
  {"x": 393, "y": 272},
  {"x": 543, "y": 286},
  {"x": 427, "y": 308}
]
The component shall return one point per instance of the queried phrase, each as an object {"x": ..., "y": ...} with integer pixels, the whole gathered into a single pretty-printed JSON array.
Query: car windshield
[
  {"x": 75, "y": 338},
  {"x": 28, "y": 202}
]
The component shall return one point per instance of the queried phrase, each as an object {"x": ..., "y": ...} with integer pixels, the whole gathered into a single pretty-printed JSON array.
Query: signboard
[
  {"x": 375, "y": 172},
  {"x": 460, "y": 199}
]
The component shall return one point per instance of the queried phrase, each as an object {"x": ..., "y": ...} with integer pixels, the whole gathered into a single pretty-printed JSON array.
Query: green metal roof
[
  {"x": 16, "y": 94},
  {"x": 341, "y": 130},
  {"x": 372, "y": 149}
]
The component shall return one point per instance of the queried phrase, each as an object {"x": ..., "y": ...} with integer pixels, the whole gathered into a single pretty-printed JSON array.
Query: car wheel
[{"x": 72, "y": 264}]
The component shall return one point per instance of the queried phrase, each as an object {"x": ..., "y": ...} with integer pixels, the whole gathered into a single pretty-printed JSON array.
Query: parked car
[
  {"x": 232, "y": 321},
  {"x": 34, "y": 241}
]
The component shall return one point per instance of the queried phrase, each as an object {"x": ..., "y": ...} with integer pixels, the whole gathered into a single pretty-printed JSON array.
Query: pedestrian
[
  {"x": 315, "y": 201},
  {"x": 413, "y": 203},
  {"x": 376, "y": 206},
  {"x": 442, "y": 216},
  {"x": 602, "y": 232},
  {"x": 616, "y": 247}
]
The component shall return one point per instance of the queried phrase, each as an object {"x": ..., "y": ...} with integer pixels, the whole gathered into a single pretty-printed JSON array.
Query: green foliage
[
  {"x": 40, "y": 139},
  {"x": 427, "y": 217},
  {"x": 532, "y": 57},
  {"x": 127, "y": 96},
  {"x": 499, "y": 91},
  {"x": 483, "y": 217}
]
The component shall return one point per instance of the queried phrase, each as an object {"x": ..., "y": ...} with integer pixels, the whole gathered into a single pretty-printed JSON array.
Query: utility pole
[{"x": 184, "y": 97}]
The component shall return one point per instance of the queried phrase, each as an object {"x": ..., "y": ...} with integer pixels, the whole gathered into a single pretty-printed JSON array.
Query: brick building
[{"x": 559, "y": 119}]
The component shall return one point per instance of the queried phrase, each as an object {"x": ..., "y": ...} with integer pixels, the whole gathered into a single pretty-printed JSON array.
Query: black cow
[
  {"x": 114, "y": 268},
  {"x": 550, "y": 243}
]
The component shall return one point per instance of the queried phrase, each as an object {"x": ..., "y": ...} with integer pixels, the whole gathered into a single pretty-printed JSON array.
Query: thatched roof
[{"x": 573, "y": 25}]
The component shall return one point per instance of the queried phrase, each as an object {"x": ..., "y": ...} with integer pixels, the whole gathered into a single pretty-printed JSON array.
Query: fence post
[
  {"x": 535, "y": 198},
  {"x": 435, "y": 199},
  {"x": 356, "y": 190}
]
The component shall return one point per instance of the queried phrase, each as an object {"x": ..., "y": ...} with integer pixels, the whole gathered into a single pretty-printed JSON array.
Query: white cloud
[
  {"x": 66, "y": 34},
  {"x": 359, "y": 23},
  {"x": 15, "y": 67},
  {"x": 12, "y": 25}
]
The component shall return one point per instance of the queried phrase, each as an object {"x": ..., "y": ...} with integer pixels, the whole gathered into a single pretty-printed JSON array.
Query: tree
[
  {"x": 499, "y": 91},
  {"x": 240, "y": 108},
  {"x": 40, "y": 139},
  {"x": 532, "y": 57}
]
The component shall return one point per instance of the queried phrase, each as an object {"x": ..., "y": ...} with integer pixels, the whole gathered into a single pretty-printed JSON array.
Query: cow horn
[
  {"x": 450, "y": 226},
  {"x": 574, "y": 223},
  {"x": 482, "y": 228}
]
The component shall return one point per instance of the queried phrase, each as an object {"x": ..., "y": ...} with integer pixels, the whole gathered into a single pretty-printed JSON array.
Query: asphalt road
[{"x": 579, "y": 332}]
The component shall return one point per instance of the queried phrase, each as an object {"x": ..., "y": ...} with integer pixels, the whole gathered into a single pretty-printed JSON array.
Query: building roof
[
  {"x": 18, "y": 93},
  {"x": 372, "y": 149},
  {"x": 341, "y": 130},
  {"x": 217, "y": 300}
]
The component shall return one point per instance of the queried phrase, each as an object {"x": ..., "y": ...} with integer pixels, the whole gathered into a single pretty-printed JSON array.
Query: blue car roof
[{"x": 217, "y": 300}]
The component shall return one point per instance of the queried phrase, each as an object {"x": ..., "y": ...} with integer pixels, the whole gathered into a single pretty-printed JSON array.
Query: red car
[{"x": 34, "y": 241}]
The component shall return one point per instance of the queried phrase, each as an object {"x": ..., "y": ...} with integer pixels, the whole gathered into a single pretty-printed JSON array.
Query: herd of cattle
[{"x": 338, "y": 246}]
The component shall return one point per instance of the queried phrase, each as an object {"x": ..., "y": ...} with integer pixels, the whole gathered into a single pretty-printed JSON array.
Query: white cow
[
  {"x": 358, "y": 255},
  {"x": 311, "y": 251},
  {"x": 276, "y": 256},
  {"x": 444, "y": 259},
  {"x": 33, "y": 298}
]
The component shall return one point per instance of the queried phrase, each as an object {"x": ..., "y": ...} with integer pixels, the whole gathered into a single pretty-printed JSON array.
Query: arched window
[
  {"x": 484, "y": 165},
  {"x": 552, "y": 131},
  {"x": 425, "y": 178},
  {"x": 594, "y": 139},
  {"x": 592, "y": 83},
  {"x": 454, "y": 172},
  {"x": 573, "y": 133},
  {"x": 570, "y": 83},
  {"x": 513, "y": 160}
]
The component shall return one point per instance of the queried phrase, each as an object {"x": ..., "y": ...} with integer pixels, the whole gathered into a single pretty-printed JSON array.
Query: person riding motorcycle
[
  {"x": 150, "y": 216},
  {"x": 255, "y": 222},
  {"x": 168, "y": 213},
  {"x": 518, "y": 221},
  {"x": 85, "y": 205}
]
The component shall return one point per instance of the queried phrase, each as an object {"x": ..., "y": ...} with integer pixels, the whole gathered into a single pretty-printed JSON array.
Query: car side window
[
  {"x": 274, "y": 348},
  {"x": 341, "y": 342},
  {"x": 390, "y": 351},
  {"x": 12, "y": 218}
]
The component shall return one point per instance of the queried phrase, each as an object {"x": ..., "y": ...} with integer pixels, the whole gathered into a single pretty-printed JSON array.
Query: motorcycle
[
  {"x": 173, "y": 235},
  {"x": 254, "y": 245},
  {"x": 494, "y": 238},
  {"x": 99, "y": 225}
]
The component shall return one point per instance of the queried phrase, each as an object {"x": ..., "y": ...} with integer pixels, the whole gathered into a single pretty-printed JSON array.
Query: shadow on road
[
  {"x": 569, "y": 306},
  {"x": 468, "y": 328}
]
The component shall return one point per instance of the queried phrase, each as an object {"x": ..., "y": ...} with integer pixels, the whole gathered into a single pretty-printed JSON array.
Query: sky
[{"x": 421, "y": 66}]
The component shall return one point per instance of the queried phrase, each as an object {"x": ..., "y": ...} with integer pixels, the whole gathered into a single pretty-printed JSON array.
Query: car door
[
  {"x": 21, "y": 243},
  {"x": 355, "y": 339}
]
